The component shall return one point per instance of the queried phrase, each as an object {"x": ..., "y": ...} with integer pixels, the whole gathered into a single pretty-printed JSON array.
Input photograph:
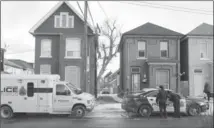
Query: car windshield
[{"x": 75, "y": 89}]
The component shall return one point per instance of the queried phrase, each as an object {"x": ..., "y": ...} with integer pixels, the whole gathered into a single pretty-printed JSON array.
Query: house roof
[
  {"x": 21, "y": 63},
  {"x": 203, "y": 29},
  {"x": 152, "y": 30},
  {"x": 41, "y": 21},
  {"x": 12, "y": 64}
]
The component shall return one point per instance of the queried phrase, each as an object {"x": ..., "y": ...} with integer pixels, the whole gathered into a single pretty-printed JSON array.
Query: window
[
  {"x": 164, "y": 49},
  {"x": 62, "y": 90},
  {"x": 72, "y": 75},
  {"x": 64, "y": 20},
  {"x": 141, "y": 49},
  {"x": 72, "y": 48},
  {"x": 45, "y": 69},
  {"x": 46, "y": 48},
  {"x": 203, "y": 50},
  {"x": 30, "y": 89},
  {"x": 135, "y": 81},
  {"x": 135, "y": 70}
]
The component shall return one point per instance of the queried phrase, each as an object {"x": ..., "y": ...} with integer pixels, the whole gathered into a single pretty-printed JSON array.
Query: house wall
[
  {"x": 129, "y": 58},
  {"x": 196, "y": 63},
  {"x": 58, "y": 61}
]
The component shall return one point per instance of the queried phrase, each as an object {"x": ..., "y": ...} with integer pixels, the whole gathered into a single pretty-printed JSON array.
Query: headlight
[{"x": 201, "y": 103}]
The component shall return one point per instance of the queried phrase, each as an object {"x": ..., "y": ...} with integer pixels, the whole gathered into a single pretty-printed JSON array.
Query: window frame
[
  {"x": 132, "y": 81},
  {"x": 66, "y": 88},
  {"x": 45, "y": 65},
  {"x": 80, "y": 50},
  {"x": 207, "y": 47},
  {"x": 167, "y": 42},
  {"x": 55, "y": 21},
  {"x": 42, "y": 48},
  {"x": 60, "y": 16},
  {"x": 145, "y": 49}
]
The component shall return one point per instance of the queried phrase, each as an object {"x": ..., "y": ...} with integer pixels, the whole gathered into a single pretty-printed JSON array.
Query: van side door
[{"x": 62, "y": 99}]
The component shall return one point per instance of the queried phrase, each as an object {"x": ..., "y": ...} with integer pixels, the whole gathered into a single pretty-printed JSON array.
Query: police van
[{"x": 42, "y": 94}]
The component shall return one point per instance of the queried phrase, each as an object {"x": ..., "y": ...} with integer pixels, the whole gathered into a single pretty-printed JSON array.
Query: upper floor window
[
  {"x": 46, "y": 48},
  {"x": 141, "y": 49},
  {"x": 45, "y": 69},
  {"x": 64, "y": 20},
  {"x": 203, "y": 50},
  {"x": 164, "y": 49},
  {"x": 73, "y": 48}
]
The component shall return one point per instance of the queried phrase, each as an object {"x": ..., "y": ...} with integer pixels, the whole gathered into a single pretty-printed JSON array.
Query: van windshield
[{"x": 75, "y": 89}]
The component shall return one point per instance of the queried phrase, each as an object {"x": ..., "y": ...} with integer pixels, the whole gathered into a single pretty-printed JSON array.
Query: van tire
[
  {"x": 6, "y": 112},
  {"x": 79, "y": 111}
]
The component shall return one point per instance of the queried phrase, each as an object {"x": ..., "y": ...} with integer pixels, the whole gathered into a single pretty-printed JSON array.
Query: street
[{"x": 123, "y": 122}]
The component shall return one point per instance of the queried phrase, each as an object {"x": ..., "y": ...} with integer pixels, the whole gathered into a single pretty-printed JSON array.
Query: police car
[{"x": 144, "y": 103}]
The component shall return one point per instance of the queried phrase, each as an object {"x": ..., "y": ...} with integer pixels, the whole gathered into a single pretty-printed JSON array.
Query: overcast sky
[{"x": 18, "y": 17}]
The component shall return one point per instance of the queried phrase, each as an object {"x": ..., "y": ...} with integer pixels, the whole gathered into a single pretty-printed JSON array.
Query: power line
[
  {"x": 91, "y": 16},
  {"x": 191, "y": 9},
  {"x": 164, "y": 8},
  {"x": 80, "y": 7},
  {"x": 102, "y": 9}
]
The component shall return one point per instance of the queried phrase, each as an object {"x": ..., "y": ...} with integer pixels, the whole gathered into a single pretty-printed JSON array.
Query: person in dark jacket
[
  {"x": 176, "y": 103},
  {"x": 207, "y": 90},
  {"x": 161, "y": 101}
]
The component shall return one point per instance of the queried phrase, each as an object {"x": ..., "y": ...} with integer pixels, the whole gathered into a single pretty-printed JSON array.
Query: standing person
[
  {"x": 161, "y": 101},
  {"x": 207, "y": 90},
  {"x": 176, "y": 103}
]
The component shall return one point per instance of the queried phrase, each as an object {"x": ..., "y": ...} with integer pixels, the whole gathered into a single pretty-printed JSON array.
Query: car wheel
[
  {"x": 145, "y": 111},
  {"x": 79, "y": 111},
  {"x": 194, "y": 110},
  {"x": 6, "y": 112}
]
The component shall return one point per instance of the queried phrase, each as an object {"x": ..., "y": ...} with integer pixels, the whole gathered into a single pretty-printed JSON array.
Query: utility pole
[{"x": 86, "y": 44}]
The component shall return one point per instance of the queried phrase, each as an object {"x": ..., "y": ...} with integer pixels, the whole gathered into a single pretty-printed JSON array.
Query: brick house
[
  {"x": 60, "y": 46},
  {"x": 197, "y": 59},
  {"x": 149, "y": 57}
]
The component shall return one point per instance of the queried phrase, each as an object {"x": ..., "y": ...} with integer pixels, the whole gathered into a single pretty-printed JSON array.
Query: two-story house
[
  {"x": 60, "y": 46},
  {"x": 197, "y": 59},
  {"x": 149, "y": 57}
]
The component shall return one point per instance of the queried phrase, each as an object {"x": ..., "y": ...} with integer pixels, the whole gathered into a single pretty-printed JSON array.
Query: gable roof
[
  {"x": 21, "y": 63},
  {"x": 41, "y": 21},
  {"x": 153, "y": 30},
  {"x": 203, "y": 29}
]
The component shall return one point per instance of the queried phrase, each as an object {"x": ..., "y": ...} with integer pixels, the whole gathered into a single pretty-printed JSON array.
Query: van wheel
[
  {"x": 145, "y": 110},
  {"x": 79, "y": 111},
  {"x": 6, "y": 112}
]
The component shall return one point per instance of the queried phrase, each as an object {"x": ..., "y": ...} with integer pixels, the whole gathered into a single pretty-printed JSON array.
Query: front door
[
  {"x": 72, "y": 75},
  {"x": 162, "y": 78},
  {"x": 62, "y": 99},
  {"x": 198, "y": 84}
]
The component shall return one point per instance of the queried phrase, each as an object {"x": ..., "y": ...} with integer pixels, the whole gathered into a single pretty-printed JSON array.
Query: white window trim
[
  {"x": 67, "y": 15},
  {"x": 45, "y": 65},
  {"x": 207, "y": 58},
  {"x": 55, "y": 19},
  {"x": 70, "y": 57},
  {"x": 167, "y": 49},
  {"x": 42, "y": 56},
  {"x": 138, "y": 50}
]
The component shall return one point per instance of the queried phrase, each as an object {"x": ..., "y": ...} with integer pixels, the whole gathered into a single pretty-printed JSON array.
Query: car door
[
  {"x": 62, "y": 99},
  {"x": 151, "y": 97}
]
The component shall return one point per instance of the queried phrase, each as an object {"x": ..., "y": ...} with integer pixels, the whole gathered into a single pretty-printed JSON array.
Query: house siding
[
  {"x": 48, "y": 25},
  {"x": 129, "y": 49},
  {"x": 195, "y": 62}
]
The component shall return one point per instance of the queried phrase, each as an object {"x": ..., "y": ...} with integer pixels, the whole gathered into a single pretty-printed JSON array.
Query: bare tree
[{"x": 107, "y": 49}]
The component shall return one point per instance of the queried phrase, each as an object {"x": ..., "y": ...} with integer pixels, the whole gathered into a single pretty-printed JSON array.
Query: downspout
[{"x": 178, "y": 66}]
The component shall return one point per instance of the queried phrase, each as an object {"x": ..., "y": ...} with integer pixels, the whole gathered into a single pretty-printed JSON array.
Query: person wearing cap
[{"x": 161, "y": 101}]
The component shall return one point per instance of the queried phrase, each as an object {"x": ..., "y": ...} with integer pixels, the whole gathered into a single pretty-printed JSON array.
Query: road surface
[{"x": 125, "y": 122}]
